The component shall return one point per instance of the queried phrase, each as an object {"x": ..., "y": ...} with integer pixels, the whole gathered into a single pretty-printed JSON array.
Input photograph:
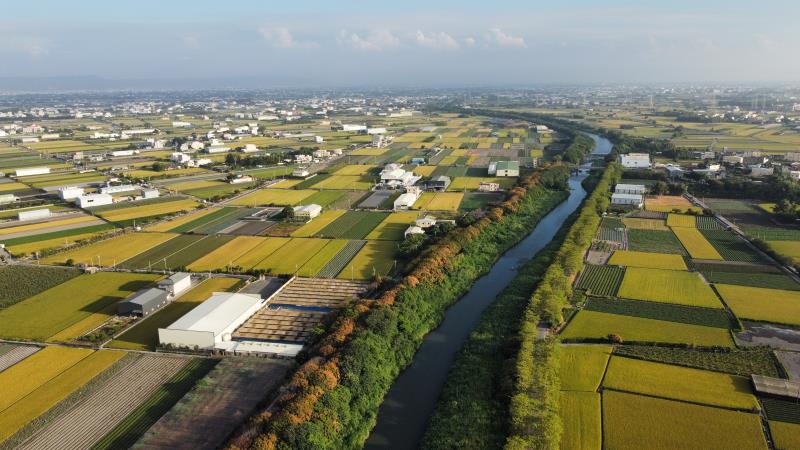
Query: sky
[{"x": 404, "y": 43}]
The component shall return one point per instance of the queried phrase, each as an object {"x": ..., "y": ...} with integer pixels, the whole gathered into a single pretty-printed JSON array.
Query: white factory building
[
  {"x": 87, "y": 201},
  {"x": 212, "y": 322},
  {"x": 638, "y": 189},
  {"x": 307, "y": 212},
  {"x": 635, "y": 161},
  {"x": 70, "y": 192},
  {"x": 24, "y": 172},
  {"x": 176, "y": 283},
  {"x": 33, "y": 214},
  {"x": 626, "y": 199},
  {"x": 118, "y": 188}
]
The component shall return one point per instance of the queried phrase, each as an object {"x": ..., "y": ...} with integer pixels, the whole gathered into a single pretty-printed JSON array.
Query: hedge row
[
  {"x": 534, "y": 405},
  {"x": 331, "y": 401}
]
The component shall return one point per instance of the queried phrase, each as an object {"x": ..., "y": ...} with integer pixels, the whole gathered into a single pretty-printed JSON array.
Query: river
[{"x": 404, "y": 413}]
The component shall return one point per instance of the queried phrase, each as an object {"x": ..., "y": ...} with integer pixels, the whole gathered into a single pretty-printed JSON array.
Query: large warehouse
[{"x": 212, "y": 322}]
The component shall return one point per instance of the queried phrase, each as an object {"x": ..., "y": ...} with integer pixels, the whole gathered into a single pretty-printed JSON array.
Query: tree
[
  {"x": 288, "y": 213},
  {"x": 159, "y": 166},
  {"x": 659, "y": 188}
]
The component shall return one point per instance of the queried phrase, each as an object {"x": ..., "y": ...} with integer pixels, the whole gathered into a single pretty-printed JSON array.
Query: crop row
[
  {"x": 353, "y": 225},
  {"x": 661, "y": 311},
  {"x": 654, "y": 241},
  {"x": 601, "y": 280},
  {"x": 730, "y": 246},
  {"x": 338, "y": 262}
]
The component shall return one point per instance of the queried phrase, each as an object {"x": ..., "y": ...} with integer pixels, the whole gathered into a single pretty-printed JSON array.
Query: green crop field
[
  {"x": 630, "y": 420},
  {"x": 110, "y": 251},
  {"x": 324, "y": 198},
  {"x": 318, "y": 223},
  {"x": 393, "y": 226},
  {"x": 595, "y": 325},
  {"x": 769, "y": 305},
  {"x": 696, "y": 244},
  {"x": 654, "y": 241},
  {"x": 730, "y": 247},
  {"x": 87, "y": 300},
  {"x": 21, "y": 282},
  {"x": 692, "y": 315},
  {"x": 601, "y": 280},
  {"x": 761, "y": 280},
  {"x": 375, "y": 258},
  {"x": 353, "y": 225},
  {"x": 669, "y": 286},
  {"x": 744, "y": 361},
  {"x": 224, "y": 255},
  {"x": 338, "y": 262},
  {"x": 583, "y": 366},
  {"x": 581, "y": 421},
  {"x": 177, "y": 253},
  {"x": 647, "y": 260},
  {"x": 679, "y": 383}
]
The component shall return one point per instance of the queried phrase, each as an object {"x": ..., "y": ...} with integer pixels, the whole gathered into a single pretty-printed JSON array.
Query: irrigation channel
[{"x": 404, "y": 413}]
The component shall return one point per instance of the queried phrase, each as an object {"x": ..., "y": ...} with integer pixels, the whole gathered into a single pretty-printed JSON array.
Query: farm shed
[
  {"x": 32, "y": 171},
  {"x": 439, "y": 184},
  {"x": 70, "y": 192},
  {"x": 626, "y": 199},
  {"x": 776, "y": 386},
  {"x": 143, "y": 302},
  {"x": 8, "y": 198},
  {"x": 34, "y": 214},
  {"x": 504, "y": 168},
  {"x": 405, "y": 201},
  {"x": 176, "y": 283},
  {"x": 307, "y": 212},
  {"x": 212, "y": 322},
  {"x": 637, "y": 189}
]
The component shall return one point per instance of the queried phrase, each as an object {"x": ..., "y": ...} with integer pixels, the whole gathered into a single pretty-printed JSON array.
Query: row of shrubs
[
  {"x": 534, "y": 418},
  {"x": 331, "y": 401}
]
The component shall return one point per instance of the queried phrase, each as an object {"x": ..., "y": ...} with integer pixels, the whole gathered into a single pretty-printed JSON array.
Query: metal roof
[
  {"x": 776, "y": 386},
  {"x": 217, "y": 313},
  {"x": 145, "y": 296}
]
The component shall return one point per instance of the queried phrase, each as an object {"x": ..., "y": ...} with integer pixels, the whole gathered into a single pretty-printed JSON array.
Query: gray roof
[
  {"x": 442, "y": 178},
  {"x": 175, "y": 278},
  {"x": 146, "y": 296},
  {"x": 776, "y": 386}
]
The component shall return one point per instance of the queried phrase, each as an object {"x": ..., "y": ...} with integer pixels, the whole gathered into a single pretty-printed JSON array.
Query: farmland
[
  {"x": 265, "y": 197},
  {"x": 375, "y": 258},
  {"x": 353, "y": 225},
  {"x": 647, "y": 260},
  {"x": 138, "y": 212},
  {"x": 629, "y": 420},
  {"x": 178, "y": 252},
  {"x": 601, "y": 280},
  {"x": 110, "y": 251},
  {"x": 225, "y": 254},
  {"x": 710, "y": 317},
  {"x": 669, "y": 286},
  {"x": 21, "y": 282},
  {"x": 289, "y": 258},
  {"x": 582, "y": 420},
  {"x": 583, "y": 366},
  {"x": 769, "y": 305},
  {"x": 696, "y": 244},
  {"x": 84, "y": 301},
  {"x": 318, "y": 223},
  {"x": 654, "y": 241},
  {"x": 393, "y": 226}
]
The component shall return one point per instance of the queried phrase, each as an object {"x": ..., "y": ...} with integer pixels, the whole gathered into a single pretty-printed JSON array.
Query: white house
[
  {"x": 216, "y": 147},
  {"x": 212, "y": 322},
  {"x": 180, "y": 158},
  {"x": 176, "y": 283},
  {"x": 150, "y": 193},
  {"x": 242, "y": 179},
  {"x": 635, "y": 161},
  {"x": 250, "y": 148},
  {"x": 413, "y": 229},
  {"x": 406, "y": 200},
  {"x": 425, "y": 222},
  {"x": 124, "y": 152},
  {"x": 395, "y": 176},
  {"x": 307, "y": 212},
  {"x": 378, "y": 140},
  {"x": 626, "y": 199},
  {"x": 376, "y": 130},
  {"x": 488, "y": 186},
  {"x": 352, "y": 127},
  {"x": 733, "y": 159},
  {"x": 118, "y": 188},
  {"x": 70, "y": 192},
  {"x": 504, "y": 168},
  {"x": 87, "y": 201},
  {"x": 300, "y": 173}
]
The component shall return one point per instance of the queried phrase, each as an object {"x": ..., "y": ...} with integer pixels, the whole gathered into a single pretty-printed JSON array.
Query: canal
[{"x": 404, "y": 413}]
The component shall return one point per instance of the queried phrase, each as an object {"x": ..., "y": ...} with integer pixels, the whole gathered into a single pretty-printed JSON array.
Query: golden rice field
[
  {"x": 667, "y": 286},
  {"x": 187, "y": 185},
  {"x": 648, "y": 260},
  {"x": 424, "y": 171},
  {"x": 598, "y": 325},
  {"x": 286, "y": 184},
  {"x": 224, "y": 256},
  {"x": 157, "y": 209},
  {"x": 54, "y": 390},
  {"x": 184, "y": 219},
  {"x": 342, "y": 182},
  {"x": 786, "y": 248},
  {"x": 440, "y": 201},
  {"x": 680, "y": 383},
  {"x": 33, "y": 247},
  {"x": 375, "y": 258},
  {"x": 769, "y": 305},
  {"x": 82, "y": 218},
  {"x": 319, "y": 260},
  {"x": 786, "y": 436},
  {"x": 111, "y": 251},
  {"x": 289, "y": 258},
  {"x": 681, "y": 220},
  {"x": 260, "y": 252},
  {"x": 318, "y": 223},
  {"x": 581, "y": 420},
  {"x": 583, "y": 366},
  {"x": 393, "y": 226},
  {"x": 11, "y": 187},
  {"x": 630, "y": 420},
  {"x": 696, "y": 244},
  {"x": 282, "y": 197},
  {"x": 645, "y": 224},
  {"x": 368, "y": 151},
  {"x": 448, "y": 161},
  {"x": 142, "y": 173},
  {"x": 355, "y": 169}
]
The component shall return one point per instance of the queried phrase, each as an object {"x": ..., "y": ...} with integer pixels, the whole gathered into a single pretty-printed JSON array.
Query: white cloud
[
  {"x": 375, "y": 40},
  {"x": 500, "y": 38},
  {"x": 436, "y": 41},
  {"x": 469, "y": 41},
  {"x": 281, "y": 37}
]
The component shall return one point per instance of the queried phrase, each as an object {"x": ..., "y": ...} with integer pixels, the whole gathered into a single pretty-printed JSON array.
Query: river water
[{"x": 404, "y": 413}]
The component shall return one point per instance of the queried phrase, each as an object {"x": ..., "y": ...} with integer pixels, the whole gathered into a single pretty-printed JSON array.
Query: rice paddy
[{"x": 669, "y": 286}]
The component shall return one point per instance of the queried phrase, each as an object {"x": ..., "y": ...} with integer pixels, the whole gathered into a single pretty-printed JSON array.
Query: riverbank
[{"x": 332, "y": 399}]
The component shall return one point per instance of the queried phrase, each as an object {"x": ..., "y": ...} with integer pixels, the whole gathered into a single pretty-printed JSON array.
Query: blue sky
[{"x": 408, "y": 43}]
